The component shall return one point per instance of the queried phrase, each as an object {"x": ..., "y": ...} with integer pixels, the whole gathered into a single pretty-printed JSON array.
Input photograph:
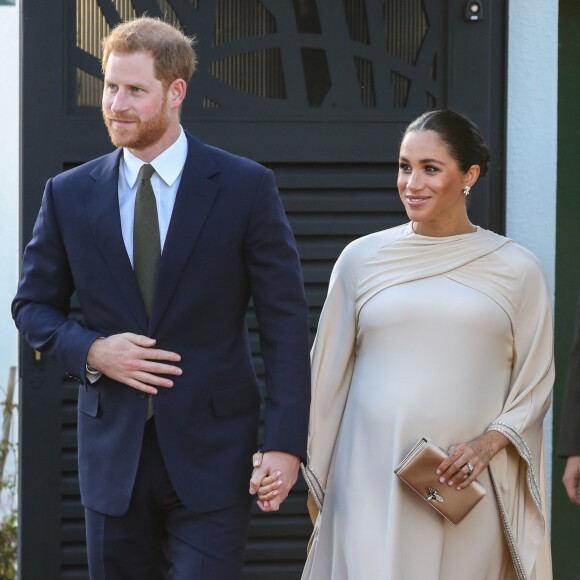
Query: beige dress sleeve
[
  {"x": 518, "y": 471},
  {"x": 333, "y": 354},
  {"x": 515, "y": 280}
]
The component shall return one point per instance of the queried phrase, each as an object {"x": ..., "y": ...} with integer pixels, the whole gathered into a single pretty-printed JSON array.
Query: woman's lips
[{"x": 417, "y": 200}]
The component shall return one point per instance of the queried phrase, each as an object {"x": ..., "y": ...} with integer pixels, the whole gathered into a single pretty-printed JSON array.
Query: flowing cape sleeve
[
  {"x": 517, "y": 471},
  {"x": 333, "y": 355}
]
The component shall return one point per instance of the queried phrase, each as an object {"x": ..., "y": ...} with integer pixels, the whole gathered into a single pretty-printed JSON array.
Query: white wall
[
  {"x": 532, "y": 104},
  {"x": 9, "y": 190}
]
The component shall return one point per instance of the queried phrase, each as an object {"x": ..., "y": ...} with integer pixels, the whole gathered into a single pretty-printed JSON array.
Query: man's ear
[{"x": 176, "y": 93}]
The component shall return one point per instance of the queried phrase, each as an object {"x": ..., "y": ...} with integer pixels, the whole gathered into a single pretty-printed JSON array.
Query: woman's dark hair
[{"x": 460, "y": 135}]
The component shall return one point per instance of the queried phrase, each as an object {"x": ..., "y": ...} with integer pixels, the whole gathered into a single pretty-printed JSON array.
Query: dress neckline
[{"x": 410, "y": 232}]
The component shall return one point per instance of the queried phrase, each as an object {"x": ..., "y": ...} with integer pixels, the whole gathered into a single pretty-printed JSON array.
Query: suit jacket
[
  {"x": 228, "y": 241},
  {"x": 569, "y": 443}
]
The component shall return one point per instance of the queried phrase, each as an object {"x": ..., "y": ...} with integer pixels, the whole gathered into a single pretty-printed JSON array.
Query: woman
[{"x": 435, "y": 328}]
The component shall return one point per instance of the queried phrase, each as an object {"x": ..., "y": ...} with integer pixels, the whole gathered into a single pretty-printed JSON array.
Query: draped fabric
[{"x": 440, "y": 337}]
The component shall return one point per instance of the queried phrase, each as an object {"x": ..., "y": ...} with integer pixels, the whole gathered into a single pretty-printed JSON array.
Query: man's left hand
[{"x": 266, "y": 466}]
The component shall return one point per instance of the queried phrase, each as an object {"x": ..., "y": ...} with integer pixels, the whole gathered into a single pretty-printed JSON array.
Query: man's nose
[{"x": 119, "y": 103}]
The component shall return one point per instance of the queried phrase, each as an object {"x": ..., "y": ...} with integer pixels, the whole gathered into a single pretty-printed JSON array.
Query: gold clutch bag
[{"x": 417, "y": 470}]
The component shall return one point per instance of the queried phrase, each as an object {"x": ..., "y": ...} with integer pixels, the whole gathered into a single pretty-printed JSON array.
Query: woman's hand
[
  {"x": 467, "y": 460},
  {"x": 270, "y": 487}
]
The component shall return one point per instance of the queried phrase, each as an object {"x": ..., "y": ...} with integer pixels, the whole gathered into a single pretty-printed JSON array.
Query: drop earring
[{"x": 467, "y": 190}]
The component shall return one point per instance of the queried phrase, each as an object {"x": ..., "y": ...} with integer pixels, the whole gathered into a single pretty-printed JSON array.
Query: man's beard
[{"x": 141, "y": 134}]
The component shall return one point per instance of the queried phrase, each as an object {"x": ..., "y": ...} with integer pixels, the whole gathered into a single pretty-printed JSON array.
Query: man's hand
[
  {"x": 571, "y": 478},
  {"x": 275, "y": 473},
  {"x": 131, "y": 359}
]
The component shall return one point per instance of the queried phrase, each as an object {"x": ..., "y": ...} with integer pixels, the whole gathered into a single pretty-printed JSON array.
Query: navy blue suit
[{"x": 228, "y": 241}]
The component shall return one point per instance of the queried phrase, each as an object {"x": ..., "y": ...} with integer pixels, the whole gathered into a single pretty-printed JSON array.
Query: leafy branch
[{"x": 9, "y": 521}]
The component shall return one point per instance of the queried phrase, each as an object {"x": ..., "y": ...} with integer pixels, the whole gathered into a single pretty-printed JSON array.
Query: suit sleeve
[
  {"x": 278, "y": 292},
  {"x": 569, "y": 443},
  {"x": 42, "y": 303}
]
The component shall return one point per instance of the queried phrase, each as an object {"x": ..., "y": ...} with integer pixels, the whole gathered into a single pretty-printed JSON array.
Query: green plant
[
  {"x": 9, "y": 520},
  {"x": 8, "y": 546}
]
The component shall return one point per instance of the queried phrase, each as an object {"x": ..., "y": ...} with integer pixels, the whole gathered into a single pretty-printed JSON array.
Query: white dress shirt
[{"x": 165, "y": 182}]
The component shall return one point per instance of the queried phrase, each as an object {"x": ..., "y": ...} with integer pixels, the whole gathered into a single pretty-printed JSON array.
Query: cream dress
[{"x": 436, "y": 337}]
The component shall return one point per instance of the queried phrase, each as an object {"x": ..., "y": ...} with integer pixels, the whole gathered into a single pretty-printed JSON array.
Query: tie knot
[{"x": 146, "y": 172}]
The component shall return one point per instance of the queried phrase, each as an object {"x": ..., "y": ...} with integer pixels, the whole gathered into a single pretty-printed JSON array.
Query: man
[
  {"x": 570, "y": 430},
  {"x": 165, "y": 241}
]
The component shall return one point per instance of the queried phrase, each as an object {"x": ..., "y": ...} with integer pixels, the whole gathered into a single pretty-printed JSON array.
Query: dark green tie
[
  {"x": 146, "y": 241},
  {"x": 146, "y": 245}
]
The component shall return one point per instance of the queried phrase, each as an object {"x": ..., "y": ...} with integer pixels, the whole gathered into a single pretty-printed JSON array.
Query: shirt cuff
[{"x": 93, "y": 375}]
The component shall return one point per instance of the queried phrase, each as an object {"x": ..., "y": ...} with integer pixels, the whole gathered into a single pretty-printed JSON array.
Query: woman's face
[{"x": 431, "y": 185}]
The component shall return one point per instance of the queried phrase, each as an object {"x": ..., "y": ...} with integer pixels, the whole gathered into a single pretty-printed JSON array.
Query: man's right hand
[{"x": 131, "y": 359}]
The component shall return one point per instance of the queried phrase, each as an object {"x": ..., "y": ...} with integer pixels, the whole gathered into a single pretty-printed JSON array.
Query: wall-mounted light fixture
[{"x": 474, "y": 10}]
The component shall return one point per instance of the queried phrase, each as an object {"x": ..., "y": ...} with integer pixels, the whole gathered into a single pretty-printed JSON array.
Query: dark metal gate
[{"x": 318, "y": 90}]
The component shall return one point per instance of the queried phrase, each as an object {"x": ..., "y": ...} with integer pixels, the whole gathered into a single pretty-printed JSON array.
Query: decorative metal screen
[{"x": 302, "y": 57}]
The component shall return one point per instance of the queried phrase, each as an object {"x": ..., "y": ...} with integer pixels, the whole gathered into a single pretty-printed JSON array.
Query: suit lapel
[
  {"x": 193, "y": 203},
  {"x": 104, "y": 217}
]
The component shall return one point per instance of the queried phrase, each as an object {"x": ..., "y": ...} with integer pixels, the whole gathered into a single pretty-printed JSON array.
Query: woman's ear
[{"x": 471, "y": 175}]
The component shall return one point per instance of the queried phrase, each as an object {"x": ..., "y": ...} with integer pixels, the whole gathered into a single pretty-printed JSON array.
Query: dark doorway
[{"x": 318, "y": 90}]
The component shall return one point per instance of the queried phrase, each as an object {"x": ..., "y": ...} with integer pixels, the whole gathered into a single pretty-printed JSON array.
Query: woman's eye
[
  {"x": 403, "y": 167},
  {"x": 431, "y": 169}
]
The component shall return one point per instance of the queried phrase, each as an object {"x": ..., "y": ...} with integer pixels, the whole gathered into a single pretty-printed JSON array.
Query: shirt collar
[{"x": 168, "y": 164}]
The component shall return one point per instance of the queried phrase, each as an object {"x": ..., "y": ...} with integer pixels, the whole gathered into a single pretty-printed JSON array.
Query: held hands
[
  {"x": 131, "y": 359},
  {"x": 467, "y": 460},
  {"x": 571, "y": 478},
  {"x": 274, "y": 475}
]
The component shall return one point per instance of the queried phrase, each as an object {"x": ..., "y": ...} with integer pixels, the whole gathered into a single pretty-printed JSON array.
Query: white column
[
  {"x": 9, "y": 198},
  {"x": 532, "y": 104}
]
